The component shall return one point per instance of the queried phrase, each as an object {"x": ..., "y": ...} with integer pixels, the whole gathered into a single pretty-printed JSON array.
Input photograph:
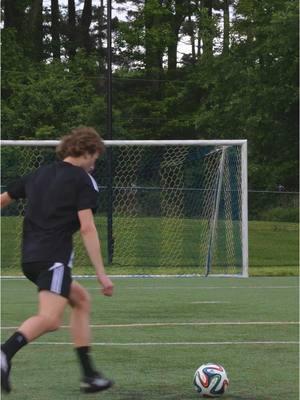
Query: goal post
[{"x": 178, "y": 206}]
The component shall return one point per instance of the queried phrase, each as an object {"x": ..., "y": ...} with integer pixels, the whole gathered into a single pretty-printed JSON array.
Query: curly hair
[{"x": 80, "y": 141}]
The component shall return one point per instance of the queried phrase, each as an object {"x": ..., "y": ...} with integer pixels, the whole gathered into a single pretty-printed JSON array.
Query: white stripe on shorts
[{"x": 57, "y": 277}]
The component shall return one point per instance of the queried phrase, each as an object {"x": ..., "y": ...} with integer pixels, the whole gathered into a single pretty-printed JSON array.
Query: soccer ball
[{"x": 211, "y": 380}]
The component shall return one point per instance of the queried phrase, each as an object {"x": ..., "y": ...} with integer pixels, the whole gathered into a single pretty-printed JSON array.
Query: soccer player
[{"x": 61, "y": 198}]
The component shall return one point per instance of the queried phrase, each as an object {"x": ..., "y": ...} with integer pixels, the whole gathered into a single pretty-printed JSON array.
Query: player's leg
[
  {"x": 48, "y": 318},
  {"x": 79, "y": 300},
  {"x": 51, "y": 307},
  {"x": 54, "y": 287}
]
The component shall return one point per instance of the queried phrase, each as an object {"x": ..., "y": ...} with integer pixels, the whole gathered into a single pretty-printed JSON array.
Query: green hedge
[{"x": 281, "y": 214}]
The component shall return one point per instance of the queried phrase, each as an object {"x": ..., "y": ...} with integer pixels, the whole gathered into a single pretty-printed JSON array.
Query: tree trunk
[
  {"x": 36, "y": 29},
  {"x": 13, "y": 15},
  {"x": 226, "y": 27},
  {"x": 55, "y": 29},
  {"x": 192, "y": 34},
  {"x": 154, "y": 54},
  {"x": 172, "y": 50},
  {"x": 199, "y": 5},
  {"x": 176, "y": 20},
  {"x": 208, "y": 31},
  {"x": 85, "y": 23},
  {"x": 101, "y": 26},
  {"x": 72, "y": 43},
  {"x": 9, "y": 14}
]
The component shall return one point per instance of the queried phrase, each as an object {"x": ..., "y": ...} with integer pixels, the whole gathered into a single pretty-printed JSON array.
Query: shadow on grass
[
  {"x": 159, "y": 393},
  {"x": 244, "y": 397}
]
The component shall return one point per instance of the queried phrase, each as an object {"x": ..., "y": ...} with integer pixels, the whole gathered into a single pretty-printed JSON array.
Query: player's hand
[{"x": 107, "y": 285}]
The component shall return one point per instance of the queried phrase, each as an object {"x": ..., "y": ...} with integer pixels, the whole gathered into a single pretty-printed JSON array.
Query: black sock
[
  {"x": 14, "y": 344},
  {"x": 85, "y": 361}
]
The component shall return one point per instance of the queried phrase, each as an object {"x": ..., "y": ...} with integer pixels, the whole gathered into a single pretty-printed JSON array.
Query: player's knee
[
  {"x": 51, "y": 323},
  {"x": 85, "y": 301},
  {"x": 81, "y": 300},
  {"x": 54, "y": 324}
]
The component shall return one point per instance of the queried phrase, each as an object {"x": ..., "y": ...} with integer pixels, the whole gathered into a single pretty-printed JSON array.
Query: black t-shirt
[{"x": 54, "y": 193}]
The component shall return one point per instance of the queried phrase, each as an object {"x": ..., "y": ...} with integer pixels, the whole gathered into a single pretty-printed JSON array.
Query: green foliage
[
  {"x": 281, "y": 214},
  {"x": 50, "y": 100},
  {"x": 251, "y": 91}
]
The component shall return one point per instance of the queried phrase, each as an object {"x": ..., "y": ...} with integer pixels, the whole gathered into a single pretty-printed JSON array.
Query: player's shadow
[
  {"x": 244, "y": 397},
  {"x": 116, "y": 393},
  {"x": 129, "y": 395},
  {"x": 113, "y": 393},
  {"x": 172, "y": 396}
]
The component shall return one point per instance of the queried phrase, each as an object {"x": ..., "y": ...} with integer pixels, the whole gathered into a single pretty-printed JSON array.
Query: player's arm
[
  {"x": 5, "y": 199},
  {"x": 91, "y": 242},
  {"x": 15, "y": 191}
]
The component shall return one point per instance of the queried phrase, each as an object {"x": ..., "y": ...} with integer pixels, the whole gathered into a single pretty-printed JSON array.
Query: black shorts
[{"x": 55, "y": 277}]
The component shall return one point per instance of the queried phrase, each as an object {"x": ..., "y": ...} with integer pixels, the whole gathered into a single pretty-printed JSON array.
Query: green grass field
[
  {"x": 273, "y": 248},
  {"x": 153, "y": 334}
]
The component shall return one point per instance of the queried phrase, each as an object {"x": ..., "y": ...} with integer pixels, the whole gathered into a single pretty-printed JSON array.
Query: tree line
[{"x": 237, "y": 78}]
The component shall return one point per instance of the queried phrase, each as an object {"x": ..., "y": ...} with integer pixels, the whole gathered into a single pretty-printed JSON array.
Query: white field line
[
  {"x": 182, "y": 287},
  {"x": 159, "y": 324},
  {"x": 206, "y": 287},
  {"x": 107, "y": 344},
  {"x": 210, "y": 302}
]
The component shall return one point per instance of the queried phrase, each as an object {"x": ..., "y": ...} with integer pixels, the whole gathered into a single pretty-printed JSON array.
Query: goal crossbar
[{"x": 133, "y": 142}]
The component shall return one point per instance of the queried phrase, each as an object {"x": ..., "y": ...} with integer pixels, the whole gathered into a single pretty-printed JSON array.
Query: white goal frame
[{"x": 244, "y": 171}]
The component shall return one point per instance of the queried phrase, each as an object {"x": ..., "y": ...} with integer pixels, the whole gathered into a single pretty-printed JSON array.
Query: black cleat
[
  {"x": 5, "y": 370},
  {"x": 95, "y": 384}
]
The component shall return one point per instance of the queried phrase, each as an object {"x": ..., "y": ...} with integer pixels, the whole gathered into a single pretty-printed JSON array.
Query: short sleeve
[
  {"x": 87, "y": 194},
  {"x": 16, "y": 190}
]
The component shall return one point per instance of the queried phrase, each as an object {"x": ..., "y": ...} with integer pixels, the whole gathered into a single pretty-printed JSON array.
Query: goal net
[{"x": 173, "y": 207}]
